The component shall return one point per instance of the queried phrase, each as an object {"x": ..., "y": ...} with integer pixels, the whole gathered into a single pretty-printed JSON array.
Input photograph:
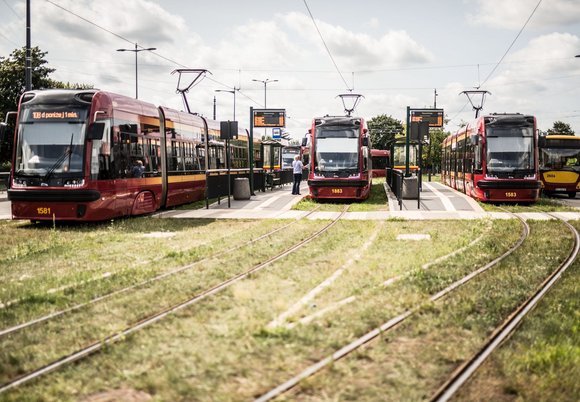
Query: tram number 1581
[{"x": 336, "y": 191}]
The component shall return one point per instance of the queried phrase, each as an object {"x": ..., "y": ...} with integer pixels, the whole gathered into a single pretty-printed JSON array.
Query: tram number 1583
[
  {"x": 511, "y": 194},
  {"x": 336, "y": 191}
]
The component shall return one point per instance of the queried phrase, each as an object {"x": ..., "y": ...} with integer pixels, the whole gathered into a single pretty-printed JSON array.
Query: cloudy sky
[{"x": 395, "y": 53}]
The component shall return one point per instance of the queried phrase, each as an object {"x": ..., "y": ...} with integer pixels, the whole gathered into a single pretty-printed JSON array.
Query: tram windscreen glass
[
  {"x": 50, "y": 141},
  {"x": 510, "y": 149},
  {"x": 337, "y": 149}
]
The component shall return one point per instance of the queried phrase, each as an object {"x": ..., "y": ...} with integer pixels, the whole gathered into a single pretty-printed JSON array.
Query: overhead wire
[
  {"x": 131, "y": 42},
  {"x": 11, "y": 9},
  {"x": 326, "y": 47},
  {"x": 502, "y": 57}
]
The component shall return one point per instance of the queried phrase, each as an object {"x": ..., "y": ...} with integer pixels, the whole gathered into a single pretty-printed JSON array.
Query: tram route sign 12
[
  {"x": 269, "y": 117},
  {"x": 433, "y": 116}
]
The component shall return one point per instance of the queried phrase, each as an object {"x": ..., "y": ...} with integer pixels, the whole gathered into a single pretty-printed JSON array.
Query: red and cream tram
[
  {"x": 91, "y": 155},
  {"x": 494, "y": 159},
  {"x": 340, "y": 162}
]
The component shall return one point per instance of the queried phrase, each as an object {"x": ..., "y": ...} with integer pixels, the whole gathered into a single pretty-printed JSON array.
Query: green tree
[
  {"x": 383, "y": 130},
  {"x": 561, "y": 128},
  {"x": 432, "y": 151},
  {"x": 12, "y": 85}
]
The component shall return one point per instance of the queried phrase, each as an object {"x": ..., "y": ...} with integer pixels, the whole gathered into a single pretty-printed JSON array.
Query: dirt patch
[{"x": 123, "y": 394}]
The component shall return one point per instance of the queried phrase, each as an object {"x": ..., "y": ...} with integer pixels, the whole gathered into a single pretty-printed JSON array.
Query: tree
[
  {"x": 383, "y": 129},
  {"x": 561, "y": 128},
  {"x": 12, "y": 85},
  {"x": 432, "y": 152}
]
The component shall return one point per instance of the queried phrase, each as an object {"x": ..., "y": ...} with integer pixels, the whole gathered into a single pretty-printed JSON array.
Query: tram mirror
[
  {"x": 96, "y": 130},
  {"x": 365, "y": 141},
  {"x": 304, "y": 141}
]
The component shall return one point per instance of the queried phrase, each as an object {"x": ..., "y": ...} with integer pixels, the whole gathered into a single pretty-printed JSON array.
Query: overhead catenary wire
[
  {"x": 132, "y": 42},
  {"x": 512, "y": 44},
  {"x": 326, "y": 47},
  {"x": 502, "y": 57}
]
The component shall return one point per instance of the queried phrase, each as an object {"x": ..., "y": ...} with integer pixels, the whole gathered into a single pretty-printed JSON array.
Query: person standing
[{"x": 297, "y": 167}]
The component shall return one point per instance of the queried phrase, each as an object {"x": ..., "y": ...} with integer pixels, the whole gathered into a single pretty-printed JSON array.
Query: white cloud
[
  {"x": 512, "y": 14},
  {"x": 357, "y": 51}
]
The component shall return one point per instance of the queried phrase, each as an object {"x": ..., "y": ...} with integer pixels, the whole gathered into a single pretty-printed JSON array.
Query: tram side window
[
  {"x": 460, "y": 155},
  {"x": 201, "y": 156},
  {"x": 468, "y": 157}
]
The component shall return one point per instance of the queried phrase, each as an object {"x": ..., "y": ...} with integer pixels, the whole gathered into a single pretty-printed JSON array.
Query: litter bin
[
  {"x": 411, "y": 188},
  {"x": 242, "y": 188}
]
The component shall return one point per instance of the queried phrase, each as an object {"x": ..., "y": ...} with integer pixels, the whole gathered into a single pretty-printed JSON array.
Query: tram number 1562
[{"x": 336, "y": 191}]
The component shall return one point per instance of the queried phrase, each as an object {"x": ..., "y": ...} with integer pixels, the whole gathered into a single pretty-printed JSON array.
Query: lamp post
[
  {"x": 136, "y": 50},
  {"x": 265, "y": 82},
  {"x": 232, "y": 92}
]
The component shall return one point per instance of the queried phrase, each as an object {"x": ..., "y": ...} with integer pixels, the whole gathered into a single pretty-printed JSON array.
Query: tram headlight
[
  {"x": 74, "y": 182},
  {"x": 18, "y": 183}
]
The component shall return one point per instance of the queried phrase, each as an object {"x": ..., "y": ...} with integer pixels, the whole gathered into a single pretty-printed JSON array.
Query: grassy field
[
  {"x": 377, "y": 201},
  {"x": 265, "y": 329}
]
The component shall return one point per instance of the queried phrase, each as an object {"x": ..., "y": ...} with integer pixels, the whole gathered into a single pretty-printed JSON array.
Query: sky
[{"x": 394, "y": 53}]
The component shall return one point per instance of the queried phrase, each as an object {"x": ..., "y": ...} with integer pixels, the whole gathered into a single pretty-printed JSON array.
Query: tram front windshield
[
  {"x": 510, "y": 149},
  {"x": 561, "y": 158},
  {"x": 337, "y": 149},
  {"x": 50, "y": 142}
]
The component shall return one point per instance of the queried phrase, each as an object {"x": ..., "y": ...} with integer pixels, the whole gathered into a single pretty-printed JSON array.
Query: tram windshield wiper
[{"x": 67, "y": 153}]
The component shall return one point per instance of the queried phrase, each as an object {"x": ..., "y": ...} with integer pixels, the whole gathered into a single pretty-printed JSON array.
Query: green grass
[
  {"x": 542, "y": 205},
  {"x": 223, "y": 346},
  {"x": 377, "y": 201}
]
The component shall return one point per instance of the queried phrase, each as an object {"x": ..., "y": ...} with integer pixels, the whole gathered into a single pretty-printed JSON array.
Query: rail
[
  {"x": 158, "y": 316},
  {"x": 387, "y": 326},
  {"x": 506, "y": 329}
]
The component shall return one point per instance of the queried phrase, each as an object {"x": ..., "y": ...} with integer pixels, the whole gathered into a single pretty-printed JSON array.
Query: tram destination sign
[
  {"x": 269, "y": 118},
  {"x": 55, "y": 115},
  {"x": 433, "y": 116}
]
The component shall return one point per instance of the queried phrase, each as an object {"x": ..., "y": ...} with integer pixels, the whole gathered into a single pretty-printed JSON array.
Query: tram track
[
  {"x": 390, "y": 324},
  {"x": 463, "y": 373},
  {"x": 149, "y": 281},
  {"x": 154, "y": 318}
]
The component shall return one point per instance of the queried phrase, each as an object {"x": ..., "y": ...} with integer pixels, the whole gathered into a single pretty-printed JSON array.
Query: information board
[
  {"x": 433, "y": 116},
  {"x": 269, "y": 118}
]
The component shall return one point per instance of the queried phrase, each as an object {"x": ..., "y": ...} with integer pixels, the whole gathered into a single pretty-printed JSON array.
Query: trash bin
[
  {"x": 411, "y": 188},
  {"x": 242, "y": 188}
]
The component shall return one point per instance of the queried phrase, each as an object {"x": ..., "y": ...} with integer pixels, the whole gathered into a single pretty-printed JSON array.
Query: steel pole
[{"x": 28, "y": 61}]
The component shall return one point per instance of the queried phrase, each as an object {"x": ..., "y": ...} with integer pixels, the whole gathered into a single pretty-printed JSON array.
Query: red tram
[
  {"x": 340, "y": 162},
  {"x": 91, "y": 155},
  {"x": 380, "y": 159},
  {"x": 494, "y": 159}
]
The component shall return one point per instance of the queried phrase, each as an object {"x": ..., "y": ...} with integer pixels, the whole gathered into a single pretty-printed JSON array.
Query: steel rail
[
  {"x": 159, "y": 277},
  {"x": 460, "y": 376},
  {"x": 387, "y": 326},
  {"x": 97, "y": 346}
]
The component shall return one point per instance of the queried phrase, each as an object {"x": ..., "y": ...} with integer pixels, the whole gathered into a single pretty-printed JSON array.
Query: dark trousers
[{"x": 296, "y": 185}]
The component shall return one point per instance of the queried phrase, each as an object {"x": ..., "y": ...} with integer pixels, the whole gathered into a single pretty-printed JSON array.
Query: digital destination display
[{"x": 56, "y": 115}]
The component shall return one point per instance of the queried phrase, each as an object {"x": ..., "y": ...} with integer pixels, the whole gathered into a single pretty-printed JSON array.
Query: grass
[
  {"x": 224, "y": 347},
  {"x": 377, "y": 201}
]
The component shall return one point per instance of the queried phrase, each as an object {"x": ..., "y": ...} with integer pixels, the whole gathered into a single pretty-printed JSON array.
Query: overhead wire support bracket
[
  {"x": 199, "y": 73},
  {"x": 476, "y": 103},
  {"x": 350, "y": 98}
]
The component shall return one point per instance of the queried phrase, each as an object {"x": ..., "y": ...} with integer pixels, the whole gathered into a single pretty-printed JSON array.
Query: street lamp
[
  {"x": 136, "y": 75},
  {"x": 265, "y": 82},
  {"x": 232, "y": 92}
]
